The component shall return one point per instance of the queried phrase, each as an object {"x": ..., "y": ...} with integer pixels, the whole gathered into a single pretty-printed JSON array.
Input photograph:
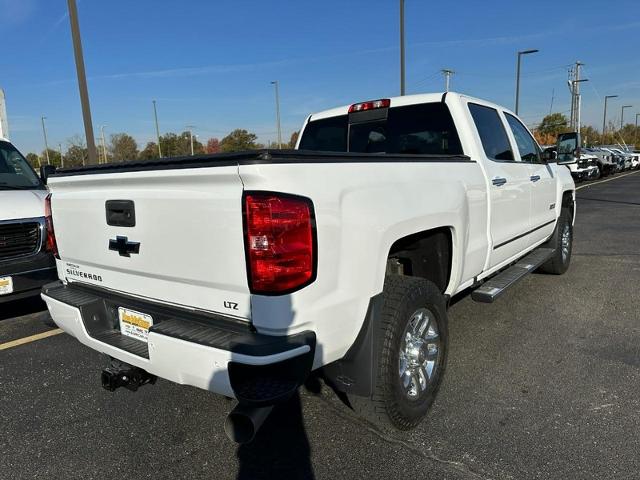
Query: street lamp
[
  {"x": 604, "y": 117},
  {"x": 635, "y": 136},
  {"x": 190, "y": 128},
  {"x": 46, "y": 146},
  {"x": 104, "y": 145},
  {"x": 155, "y": 116},
  {"x": 275, "y": 82},
  {"x": 402, "y": 74},
  {"x": 82, "y": 81},
  {"x": 524, "y": 52},
  {"x": 622, "y": 115}
]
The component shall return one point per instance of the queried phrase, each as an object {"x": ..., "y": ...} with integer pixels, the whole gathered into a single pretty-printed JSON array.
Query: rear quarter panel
[{"x": 361, "y": 210}]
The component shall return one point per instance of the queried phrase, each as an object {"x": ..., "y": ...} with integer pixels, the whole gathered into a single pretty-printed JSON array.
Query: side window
[
  {"x": 492, "y": 133},
  {"x": 529, "y": 151}
]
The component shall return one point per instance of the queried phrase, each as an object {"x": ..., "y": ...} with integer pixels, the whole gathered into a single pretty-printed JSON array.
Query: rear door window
[
  {"x": 492, "y": 133},
  {"x": 420, "y": 129},
  {"x": 528, "y": 147}
]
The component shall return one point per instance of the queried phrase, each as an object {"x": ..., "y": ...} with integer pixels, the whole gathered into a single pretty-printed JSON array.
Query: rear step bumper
[{"x": 206, "y": 351}]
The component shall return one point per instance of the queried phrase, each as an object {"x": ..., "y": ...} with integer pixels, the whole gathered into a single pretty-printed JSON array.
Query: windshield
[
  {"x": 413, "y": 129},
  {"x": 15, "y": 171}
]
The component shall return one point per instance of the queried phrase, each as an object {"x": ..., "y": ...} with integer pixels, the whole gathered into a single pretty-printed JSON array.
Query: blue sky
[{"x": 210, "y": 64}]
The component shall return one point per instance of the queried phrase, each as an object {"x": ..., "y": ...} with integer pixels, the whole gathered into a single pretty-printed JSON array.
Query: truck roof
[{"x": 402, "y": 101}]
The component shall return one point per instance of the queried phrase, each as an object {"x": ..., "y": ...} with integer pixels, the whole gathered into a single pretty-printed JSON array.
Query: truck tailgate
[{"x": 188, "y": 224}]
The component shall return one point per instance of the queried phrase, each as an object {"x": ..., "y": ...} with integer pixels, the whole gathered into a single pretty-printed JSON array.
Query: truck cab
[{"x": 26, "y": 257}]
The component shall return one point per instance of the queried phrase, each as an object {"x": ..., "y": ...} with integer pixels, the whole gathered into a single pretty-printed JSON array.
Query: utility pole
[
  {"x": 574, "y": 87},
  {"x": 447, "y": 78},
  {"x": 604, "y": 116},
  {"x": 155, "y": 115},
  {"x": 82, "y": 81},
  {"x": 275, "y": 82},
  {"x": 190, "y": 128},
  {"x": 46, "y": 146},
  {"x": 635, "y": 132},
  {"x": 61, "y": 156},
  {"x": 622, "y": 115},
  {"x": 104, "y": 145},
  {"x": 553, "y": 96},
  {"x": 524, "y": 52},
  {"x": 402, "y": 69}
]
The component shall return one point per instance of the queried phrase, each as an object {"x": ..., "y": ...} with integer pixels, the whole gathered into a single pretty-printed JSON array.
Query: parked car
[
  {"x": 626, "y": 159},
  {"x": 26, "y": 238},
  {"x": 241, "y": 273},
  {"x": 583, "y": 165},
  {"x": 604, "y": 160}
]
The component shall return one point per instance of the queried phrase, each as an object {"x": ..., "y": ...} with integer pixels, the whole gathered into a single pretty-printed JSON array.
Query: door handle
[
  {"x": 535, "y": 178},
  {"x": 499, "y": 181}
]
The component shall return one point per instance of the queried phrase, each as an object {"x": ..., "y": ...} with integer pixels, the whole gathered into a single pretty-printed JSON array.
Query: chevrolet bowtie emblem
[{"x": 123, "y": 246}]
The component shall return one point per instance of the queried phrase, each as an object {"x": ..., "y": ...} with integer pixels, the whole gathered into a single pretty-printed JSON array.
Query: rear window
[
  {"x": 414, "y": 129},
  {"x": 492, "y": 133}
]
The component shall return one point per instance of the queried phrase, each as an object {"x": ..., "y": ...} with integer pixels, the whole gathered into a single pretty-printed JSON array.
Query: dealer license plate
[
  {"x": 6, "y": 285},
  {"x": 134, "y": 324}
]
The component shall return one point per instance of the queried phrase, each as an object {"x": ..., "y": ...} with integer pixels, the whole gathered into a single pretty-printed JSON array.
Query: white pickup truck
[
  {"x": 242, "y": 273},
  {"x": 26, "y": 260}
]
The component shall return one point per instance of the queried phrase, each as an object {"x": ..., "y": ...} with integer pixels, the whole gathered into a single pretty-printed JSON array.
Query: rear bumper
[
  {"x": 28, "y": 275},
  {"x": 206, "y": 351}
]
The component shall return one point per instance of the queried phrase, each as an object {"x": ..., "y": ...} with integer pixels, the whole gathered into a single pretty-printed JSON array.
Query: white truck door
[
  {"x": 543, "y": 182},
  {"x": 509, "y": 186}
]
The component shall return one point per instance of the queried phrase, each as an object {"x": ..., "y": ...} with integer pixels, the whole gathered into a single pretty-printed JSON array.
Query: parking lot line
[
  {"x": 607, "y": 180},
  {"x": 32, "y": 338}
]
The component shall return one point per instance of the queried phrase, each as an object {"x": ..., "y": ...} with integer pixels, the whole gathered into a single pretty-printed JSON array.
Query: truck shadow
[{"x": 281, "y": 447}]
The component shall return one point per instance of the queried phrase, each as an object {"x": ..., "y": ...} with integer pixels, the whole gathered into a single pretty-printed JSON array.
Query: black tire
[
  {"x": 559, "y": 263},
  {"x": 391, "y": 405}
]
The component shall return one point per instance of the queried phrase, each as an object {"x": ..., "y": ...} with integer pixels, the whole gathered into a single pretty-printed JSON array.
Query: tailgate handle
[{"x": 121, "y": 213}]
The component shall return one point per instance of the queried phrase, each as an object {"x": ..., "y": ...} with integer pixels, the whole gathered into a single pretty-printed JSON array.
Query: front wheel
[
  {"x": 562, "y": 242},
  {"x": 412, "y": 354}
]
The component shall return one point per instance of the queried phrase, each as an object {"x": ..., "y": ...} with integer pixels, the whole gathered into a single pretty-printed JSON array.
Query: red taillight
[
  {"x": 50, "y": 244},
  {"x": 370, "y": 105},
  {"x": 279, "y": 241}
]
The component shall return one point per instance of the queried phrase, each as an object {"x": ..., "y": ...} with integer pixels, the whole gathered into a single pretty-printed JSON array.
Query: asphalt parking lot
[{"x": 542, "y": 384}]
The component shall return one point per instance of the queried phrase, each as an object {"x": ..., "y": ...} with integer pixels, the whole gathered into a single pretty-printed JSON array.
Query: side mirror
[
  {"x": 46, "y": 171},
  {"x": 568, "y": 147},
  {"x": 549, "y": 156}
]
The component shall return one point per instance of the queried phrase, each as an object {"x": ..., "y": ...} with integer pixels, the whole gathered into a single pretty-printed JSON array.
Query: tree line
[
  {"x": 122, "y": 147},
  {"x": 553, "y": 124}
]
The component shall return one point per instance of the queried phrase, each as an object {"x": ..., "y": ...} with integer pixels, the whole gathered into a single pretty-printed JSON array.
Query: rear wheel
[
  {"x": 562, "y": 242},
  {"x": 412, "y": 354}
]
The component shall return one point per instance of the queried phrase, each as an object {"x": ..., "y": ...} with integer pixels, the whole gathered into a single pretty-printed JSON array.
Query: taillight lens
[
  {"x": 50, "y": 244},
  {"x": 280, "y": 242}
]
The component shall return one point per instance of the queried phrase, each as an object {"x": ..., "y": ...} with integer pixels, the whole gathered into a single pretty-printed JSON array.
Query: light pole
[
  {"x": 46, "y": 146},
  {"x": 622, "y": 115},
  {"x": 604, "y": 116},
  {"x": 82, "y": 81},
  {"x": 402, "y": 73},
  {"x": 635, "y": 132},
  {"x": 190, "y": 128},
  {"x": 275, "y": 82},
  {"x": 104, "y": 145},
  {"x": 524, "y": 52},
  {"x": 155, "y": 115},
  {"x": 61, "y": 156}
]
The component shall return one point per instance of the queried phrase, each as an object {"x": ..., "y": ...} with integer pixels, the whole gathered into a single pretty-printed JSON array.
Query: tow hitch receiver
[{"x": 127, "y": 376}]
